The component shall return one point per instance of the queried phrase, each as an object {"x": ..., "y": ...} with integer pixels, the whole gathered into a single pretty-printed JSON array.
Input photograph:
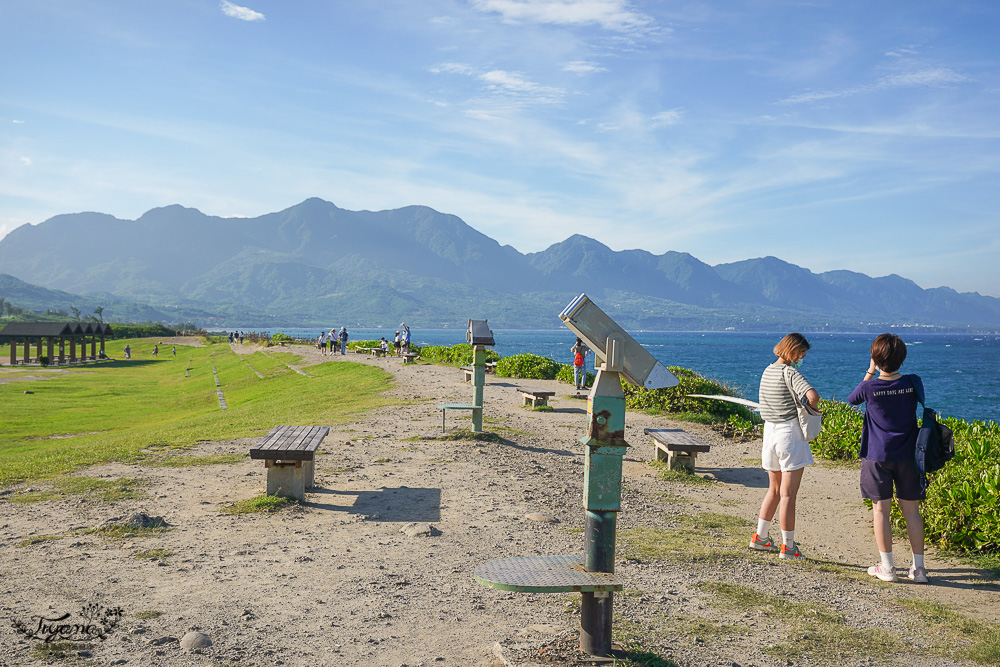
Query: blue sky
[{"x": 845, "y": 134}]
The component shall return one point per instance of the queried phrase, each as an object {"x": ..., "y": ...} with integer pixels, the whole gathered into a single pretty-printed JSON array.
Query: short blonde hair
[{"x": 792, "y": 347}]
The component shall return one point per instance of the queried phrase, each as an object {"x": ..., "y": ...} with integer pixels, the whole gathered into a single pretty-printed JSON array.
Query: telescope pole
[{"x": 602, "y": 486}]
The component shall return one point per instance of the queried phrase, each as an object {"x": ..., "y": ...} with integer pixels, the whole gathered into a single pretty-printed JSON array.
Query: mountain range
[{"x": 315, "y": 264}]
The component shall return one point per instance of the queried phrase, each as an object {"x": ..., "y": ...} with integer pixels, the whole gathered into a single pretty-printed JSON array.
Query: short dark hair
[
  {"x": 792, "y": 347},
  {"x": 888, "y": 352}
]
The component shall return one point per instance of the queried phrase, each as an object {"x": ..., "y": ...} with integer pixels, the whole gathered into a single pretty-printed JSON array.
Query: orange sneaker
[
  {"x": 766, "y": 544},
  {"x": 790, "y": 552}
]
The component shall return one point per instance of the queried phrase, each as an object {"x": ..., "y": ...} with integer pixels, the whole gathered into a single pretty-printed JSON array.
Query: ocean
[{"x": 961, "y": 373}]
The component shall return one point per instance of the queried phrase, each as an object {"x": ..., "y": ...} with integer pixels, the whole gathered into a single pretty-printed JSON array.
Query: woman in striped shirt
[{"x": 785, "y": 452}]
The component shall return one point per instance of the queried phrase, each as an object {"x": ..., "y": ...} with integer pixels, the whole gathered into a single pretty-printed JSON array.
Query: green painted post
[
  {"x": 602, "y": 492},
  {"x": 478, "y": 382}
]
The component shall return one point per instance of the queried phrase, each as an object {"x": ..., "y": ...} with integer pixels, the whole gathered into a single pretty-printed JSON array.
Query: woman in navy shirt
[{"x": 888, "y": 453}]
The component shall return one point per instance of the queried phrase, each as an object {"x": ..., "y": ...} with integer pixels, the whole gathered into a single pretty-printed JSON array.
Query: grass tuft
[{"x": 262, "y": 504}]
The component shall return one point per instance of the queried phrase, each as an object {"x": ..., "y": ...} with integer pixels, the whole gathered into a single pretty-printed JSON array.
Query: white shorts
[{"x": 784, "y": 448}]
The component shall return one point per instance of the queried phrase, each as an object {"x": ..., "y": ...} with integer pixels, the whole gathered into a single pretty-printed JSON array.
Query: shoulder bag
[
  {"x": 810, "y": 419},
  {"x": 935, "y": 441}
]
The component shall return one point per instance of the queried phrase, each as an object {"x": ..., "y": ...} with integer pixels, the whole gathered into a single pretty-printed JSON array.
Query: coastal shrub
[
  {"x": 675, "y": 400},
  {"x": 531, "y": 366},
  {"x": 962, "y": 510},
  {"x": 459, "y": 354},
  {"x": 279, "y": 338},
  {"x": 840, "y": 438},
  {"x": 141, "y": 330}
]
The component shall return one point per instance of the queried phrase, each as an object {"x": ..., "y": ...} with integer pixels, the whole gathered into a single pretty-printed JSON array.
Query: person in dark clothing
[{"x": 888, "y": 453}]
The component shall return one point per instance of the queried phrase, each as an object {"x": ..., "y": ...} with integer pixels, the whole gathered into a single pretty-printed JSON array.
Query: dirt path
[{"x": 357, "y": 576}]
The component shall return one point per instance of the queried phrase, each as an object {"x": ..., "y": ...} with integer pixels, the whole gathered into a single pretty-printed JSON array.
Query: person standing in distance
[
  {"x": 888, "y": 453},
  {"x": 785, "y": 452},
  {"x": 343, "y": 340},
  {"x": 579, "y": 351}
]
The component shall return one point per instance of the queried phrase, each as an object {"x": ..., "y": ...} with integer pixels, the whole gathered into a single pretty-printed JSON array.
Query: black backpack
[{"x": 935, "y": 441}]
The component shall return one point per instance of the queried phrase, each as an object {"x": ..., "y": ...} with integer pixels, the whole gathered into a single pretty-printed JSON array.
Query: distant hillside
[{"x": 317, "y": 264}]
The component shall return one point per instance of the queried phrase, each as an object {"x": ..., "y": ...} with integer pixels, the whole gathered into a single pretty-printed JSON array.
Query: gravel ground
[{"x": 375, "y": 568}]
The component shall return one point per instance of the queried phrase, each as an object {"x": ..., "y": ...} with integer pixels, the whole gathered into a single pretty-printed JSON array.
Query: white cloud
[
  {"x": 503, "y": 82},
  {"x": 927, "y": 77},
  {"x": 666, "y": 118},
  {"x": 241, "y": 13},
  {"x": 18, "y": 122},
  {"x": 583, "y": 67},
  {"x": 26, "y": 161},
  {"x": 615, "y": 15}
]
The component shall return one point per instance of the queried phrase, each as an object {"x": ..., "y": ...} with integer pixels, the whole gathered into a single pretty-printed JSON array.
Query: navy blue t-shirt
[{"x": 890, "y": 427}]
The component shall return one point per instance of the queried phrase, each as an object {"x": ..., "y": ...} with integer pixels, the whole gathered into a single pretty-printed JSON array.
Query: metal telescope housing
[
  {"x": 479, "y": 333},
  {"x": 620, "y": 351}
]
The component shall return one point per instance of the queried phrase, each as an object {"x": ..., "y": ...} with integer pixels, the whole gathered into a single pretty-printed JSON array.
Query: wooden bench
[
  {"x": 445, "y": 407},
  {"x": 410, "y": 357},
  {"x": 676, "y": 446},
  {"x": 289, "y": 454},
  {"x": 535, "y": 397}
]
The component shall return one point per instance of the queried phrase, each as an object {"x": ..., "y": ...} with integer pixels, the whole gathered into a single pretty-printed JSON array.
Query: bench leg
[
  {"x": 309, "y": 469},
  {"x": 661, "y": 452},
  {"x": 286, "y": 479},
  {"x": 681, "y": 461},
  {"x": 528, "y": 400}
]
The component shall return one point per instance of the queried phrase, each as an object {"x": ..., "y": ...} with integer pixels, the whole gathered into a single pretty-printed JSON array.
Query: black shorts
[{"x": 878, "y": 478}]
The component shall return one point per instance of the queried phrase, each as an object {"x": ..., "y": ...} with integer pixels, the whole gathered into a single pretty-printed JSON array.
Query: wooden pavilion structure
[{"x": 59, "y": 340}]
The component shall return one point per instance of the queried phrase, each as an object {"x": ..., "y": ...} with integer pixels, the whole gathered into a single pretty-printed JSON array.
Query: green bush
[
  {"x": 530, "y": 366},
  {"x": 675, "y": 400},
  {"x": 279, "y": 338},
  {"x": 840, "y": 438},
  {"x": 456, "y": 355},
  {"x": 962, "y": 510}
]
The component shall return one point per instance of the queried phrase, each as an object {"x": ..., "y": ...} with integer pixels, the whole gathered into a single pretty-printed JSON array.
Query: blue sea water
[{"x": 961, "y": 373}]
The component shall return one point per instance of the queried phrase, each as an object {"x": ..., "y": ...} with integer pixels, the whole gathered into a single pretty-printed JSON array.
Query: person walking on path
[
  {"x": 396, "y": 343},
  {"x": 321, "y": 342},
  {"x": 156, "y": 350},
  {"x": 785, "y": 452},
  {"x": 127, "y": 351},
  {"x": 343, "y": 340},
  {"x": 888, "y": 453},
  {"x": 406, "y": 339},
  {"x": 580, "y": 352}
]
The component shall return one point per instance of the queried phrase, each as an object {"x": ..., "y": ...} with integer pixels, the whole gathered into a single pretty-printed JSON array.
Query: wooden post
[
  {"x": 93, "y": 347},
  {"x": 13, "y": 351},
  {"x": 72, "y": 349},
  {"x": 48, "y": 350}
]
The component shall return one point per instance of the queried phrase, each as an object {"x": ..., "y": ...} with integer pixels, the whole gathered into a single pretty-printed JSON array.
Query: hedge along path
[{"x": 114, "y": 411}]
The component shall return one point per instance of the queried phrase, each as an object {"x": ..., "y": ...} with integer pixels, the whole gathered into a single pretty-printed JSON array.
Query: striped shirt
[{"x": 776, "y": 404}]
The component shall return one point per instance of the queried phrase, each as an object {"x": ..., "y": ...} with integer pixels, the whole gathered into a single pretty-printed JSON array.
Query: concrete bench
[
  {"x": 467, "y": 373},
  {"x": 410, "y": 357},
  {"x": 676, "y": 446},
  {"x": 289, "y": 456},
  {"x": 445, "y": 407},
  {"x": 376, "y": 351},
  {"x": 535, "y": 398}
]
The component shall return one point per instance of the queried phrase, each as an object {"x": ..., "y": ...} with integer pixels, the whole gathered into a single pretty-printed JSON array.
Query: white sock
[
  {"x": 918, "y": 560},
  {"x": 887, "y": 563},
  {"x": 788, "y": 538},
  {"x": 762, "y": 528}
]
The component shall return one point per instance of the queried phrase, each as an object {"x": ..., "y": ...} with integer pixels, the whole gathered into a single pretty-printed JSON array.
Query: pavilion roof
[{"x": 59, "y": 329}]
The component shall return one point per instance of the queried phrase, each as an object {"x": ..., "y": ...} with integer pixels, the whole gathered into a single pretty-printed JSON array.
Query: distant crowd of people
[{"x": 332, "y": 341}]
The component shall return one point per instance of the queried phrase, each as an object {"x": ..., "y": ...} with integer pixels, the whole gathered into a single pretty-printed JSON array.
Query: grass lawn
[{"x": 114, "y": 411}]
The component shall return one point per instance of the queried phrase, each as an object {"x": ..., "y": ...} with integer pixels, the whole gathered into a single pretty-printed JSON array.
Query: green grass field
[{"x": 117, "y": 411}]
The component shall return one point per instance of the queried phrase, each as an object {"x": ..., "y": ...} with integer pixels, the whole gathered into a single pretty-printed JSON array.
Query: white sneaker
[
  {"x": 877, "y": 571},
  {"x": 918, "y": 575}
]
